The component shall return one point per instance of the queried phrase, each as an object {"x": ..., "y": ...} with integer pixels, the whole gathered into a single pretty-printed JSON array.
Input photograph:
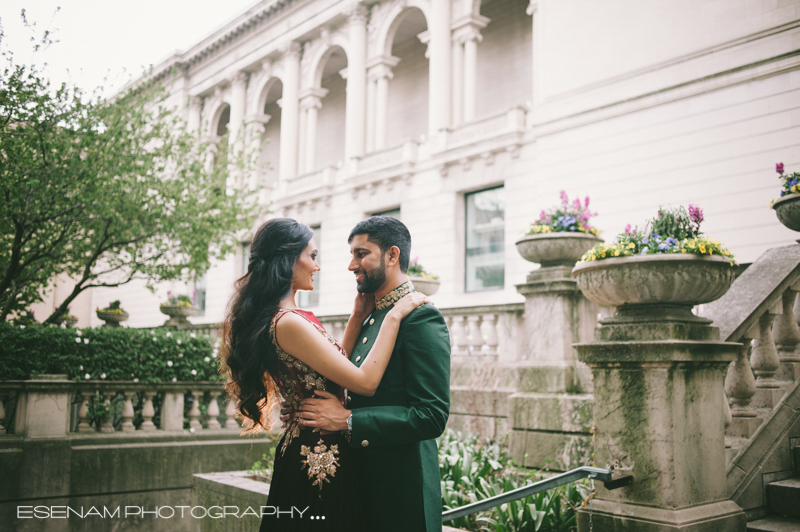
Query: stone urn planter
[
  {"x": 425, "y": 285},
  {"x": 556, "y": 249},
  {"x": 655, "y": 282},
  {"x": 112, "y": 319},
  {"x": 69, "y": 321},
  {"x": 177, "y": 315},
  {"x": 788, "y": 210}
]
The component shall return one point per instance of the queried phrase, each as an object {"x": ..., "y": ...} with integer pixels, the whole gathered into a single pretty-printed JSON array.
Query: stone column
[
  {"x": 440, "y": 67},
  {"x": 467, "y": 32},
  {"x": 195, "y": 114},
  {"x": 238, "y": 103},
  {"x": 355, "y": 112},
  {"x": 380, "y": 71},
  {"x": 532, "y": 11},
  {"x": 46, "y": 411},
  {"x": 370, "y": 140},
  {"x": 551, "y": 410},
  {"x": 310, "y": 104},
  {"x": 290, "y": 110},
  {"x": 256, "y": 126},
  {"x": 658, "y": 414},
  {"x": 458, "y": 82}
]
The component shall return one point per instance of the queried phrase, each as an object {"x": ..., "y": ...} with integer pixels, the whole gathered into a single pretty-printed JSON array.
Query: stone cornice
[{"x": 257, "y": 16}]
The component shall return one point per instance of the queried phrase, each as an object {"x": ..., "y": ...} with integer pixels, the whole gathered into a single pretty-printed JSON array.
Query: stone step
[
  {"x": 783, "y": 498},
  {"x": 774, "y": 524}
]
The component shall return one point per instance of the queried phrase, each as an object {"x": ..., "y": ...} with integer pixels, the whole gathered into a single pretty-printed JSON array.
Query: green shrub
[
  {"x": 471, "y": 471},
  {"x": 106, "y": 353}
]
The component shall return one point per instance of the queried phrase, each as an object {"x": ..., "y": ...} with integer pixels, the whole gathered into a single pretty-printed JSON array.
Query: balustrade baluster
[
  {"x": 230, "y": 412},
  {"x": 786, "y": 334},
  {"x": 83, "y": 414},
  {"x": 740, "y": 387},
  {"x": 765, "y": 361},
  {"x": 213, "y": 410},
  {"x": 448, "y": 321},
  {"x": 148, "y": 412},
  {"x": 460, "y": 334},
  {"x": 475, "y": 335},
  {"x": 127, "y": 411},
  {"x": 492, "y": 338},
  {"x": 105, "y": 424},
  {"x": 194, "y": 412}
]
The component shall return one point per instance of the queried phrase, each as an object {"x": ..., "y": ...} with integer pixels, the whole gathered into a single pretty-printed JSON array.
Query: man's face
[{"x": 368, "y": 264}]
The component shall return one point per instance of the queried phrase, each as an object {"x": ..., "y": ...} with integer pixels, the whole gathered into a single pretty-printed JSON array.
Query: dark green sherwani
[{"x": 394, "y": 431}]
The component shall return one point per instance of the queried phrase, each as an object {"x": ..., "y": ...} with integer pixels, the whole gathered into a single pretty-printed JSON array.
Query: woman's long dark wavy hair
[{"x": 250, "y": 362}]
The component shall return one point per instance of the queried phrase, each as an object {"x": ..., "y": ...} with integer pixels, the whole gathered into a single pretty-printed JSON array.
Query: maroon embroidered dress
[{"x": 313, "y": 477}]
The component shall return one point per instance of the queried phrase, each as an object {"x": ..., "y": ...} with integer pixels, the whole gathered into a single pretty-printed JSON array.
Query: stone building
[{"x": 466, "y": 118}]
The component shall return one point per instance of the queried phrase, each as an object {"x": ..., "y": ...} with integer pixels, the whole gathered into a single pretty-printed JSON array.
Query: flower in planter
[
  {"x": 26, "y": 317},
  {"x": 180, "y": 300},
  {"x": 568, "y": 217},
  {"x": 415, "y": 269},
  {"x": 113, "y": 307},
  {"x": 671, "y": 231},
  {"x": 791, "y": 182}
]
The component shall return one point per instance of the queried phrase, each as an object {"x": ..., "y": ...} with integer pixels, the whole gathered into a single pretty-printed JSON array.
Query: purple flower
[
  {"x": 586, "y": 202},
  {"x": 779, "y": 168},
  {"x": 577, "y": 204},
  {"x": 542, "y": 215},
  {"x": 564, "y": 198},
  {"x": 695, "y": 213},
  {"x": 628, "y": 228}
]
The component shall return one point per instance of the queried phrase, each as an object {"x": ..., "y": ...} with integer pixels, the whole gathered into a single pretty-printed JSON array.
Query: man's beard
[{"x": 373, "y": 279}]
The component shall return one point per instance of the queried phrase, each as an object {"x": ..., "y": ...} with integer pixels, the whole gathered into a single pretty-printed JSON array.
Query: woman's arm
[
  {"x": 299, "y": 338},
  {"x": 363, "y": 307}
]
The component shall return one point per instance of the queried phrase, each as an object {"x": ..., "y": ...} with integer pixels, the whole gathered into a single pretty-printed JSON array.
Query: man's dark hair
[{"x": 385, "y": 232}]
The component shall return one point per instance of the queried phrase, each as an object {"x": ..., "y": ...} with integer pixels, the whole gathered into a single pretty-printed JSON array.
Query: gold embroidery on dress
[
  {"x": 321, "y": 462},
  {"x": 394, "y": 296},
  {"x": 303, "y": 377}
]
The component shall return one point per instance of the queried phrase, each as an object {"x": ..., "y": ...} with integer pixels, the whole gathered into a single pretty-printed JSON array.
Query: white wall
[
  {"x": 504, "y": 57},
  {"x": 330, "y": 127}
]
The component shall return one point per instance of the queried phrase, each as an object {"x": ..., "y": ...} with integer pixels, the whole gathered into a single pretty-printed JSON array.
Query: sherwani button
[
  {"x": 372, "y": 321},
  {"x": 364, "y": 443},
  {"x": 358, "y": 358},
  {"x": 348, "y": 398},
  {"x": 364, "y": 341}
]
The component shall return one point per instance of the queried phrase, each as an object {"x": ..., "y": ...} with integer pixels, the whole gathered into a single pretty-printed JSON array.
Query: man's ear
[{"x": 392, "y": 256}]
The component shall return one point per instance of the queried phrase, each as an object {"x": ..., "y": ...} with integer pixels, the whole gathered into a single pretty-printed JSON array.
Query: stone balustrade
[
  {"x": 51, "y": 405},
  {"x": 405, "y": 153},
  {"x": 511, "y": 121},
  {"x": 768, "y": 363}
]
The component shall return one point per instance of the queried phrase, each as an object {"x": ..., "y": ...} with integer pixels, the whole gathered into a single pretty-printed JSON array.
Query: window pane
[
  {"x": 311, "y": 299},
  {"x": 485, "y": 232},
  {"x": 394, "y": 213}
]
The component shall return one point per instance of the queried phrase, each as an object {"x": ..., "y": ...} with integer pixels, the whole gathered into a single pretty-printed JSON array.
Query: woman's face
[{"x": 305, "y": 268}]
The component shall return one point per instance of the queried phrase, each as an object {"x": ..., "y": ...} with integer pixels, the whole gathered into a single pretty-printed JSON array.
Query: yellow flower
[{"x": 631, "y": 245}]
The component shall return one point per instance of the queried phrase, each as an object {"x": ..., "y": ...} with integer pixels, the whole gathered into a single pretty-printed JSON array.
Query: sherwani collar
[{"x": 394, "y": 296}]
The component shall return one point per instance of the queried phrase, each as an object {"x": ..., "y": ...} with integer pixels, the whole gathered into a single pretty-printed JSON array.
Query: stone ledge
[
  {"x": 551, "y": 411},
  {"x": 711, "y": 517}
]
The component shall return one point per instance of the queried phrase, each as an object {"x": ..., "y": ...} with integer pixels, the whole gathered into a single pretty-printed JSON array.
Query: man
[{"x": 393, "y": 432}]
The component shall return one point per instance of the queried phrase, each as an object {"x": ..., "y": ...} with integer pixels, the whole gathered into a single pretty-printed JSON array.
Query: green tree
[{"x": 106, "y": 191}]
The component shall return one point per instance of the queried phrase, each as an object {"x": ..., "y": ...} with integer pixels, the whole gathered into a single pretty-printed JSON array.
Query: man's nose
[{"x": 353, "y": 265}]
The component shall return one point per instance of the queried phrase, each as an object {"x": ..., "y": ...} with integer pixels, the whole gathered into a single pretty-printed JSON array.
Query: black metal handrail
[{"x": 604, "y": 475}]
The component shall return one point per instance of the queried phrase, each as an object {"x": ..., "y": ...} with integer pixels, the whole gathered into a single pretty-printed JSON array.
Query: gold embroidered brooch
[{"x": 321, "y": 462}]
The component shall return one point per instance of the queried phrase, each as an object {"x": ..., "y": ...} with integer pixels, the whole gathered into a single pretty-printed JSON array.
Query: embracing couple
[{"x": 361, "y": 415}]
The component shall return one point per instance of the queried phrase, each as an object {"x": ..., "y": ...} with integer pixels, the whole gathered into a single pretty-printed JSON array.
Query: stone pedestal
[
  {"x": 658, "y": 413},
  {"x": 551, "y": 411}
]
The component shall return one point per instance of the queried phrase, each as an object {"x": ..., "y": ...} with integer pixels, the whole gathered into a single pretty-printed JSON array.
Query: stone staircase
[{"x": 783, "y": 503}]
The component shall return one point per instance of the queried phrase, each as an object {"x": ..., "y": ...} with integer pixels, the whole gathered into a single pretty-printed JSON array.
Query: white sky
[{"x": 110, "y": 37}]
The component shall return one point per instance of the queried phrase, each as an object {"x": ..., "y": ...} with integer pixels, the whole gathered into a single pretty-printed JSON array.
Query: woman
[{"x": 273, "y": 350}]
